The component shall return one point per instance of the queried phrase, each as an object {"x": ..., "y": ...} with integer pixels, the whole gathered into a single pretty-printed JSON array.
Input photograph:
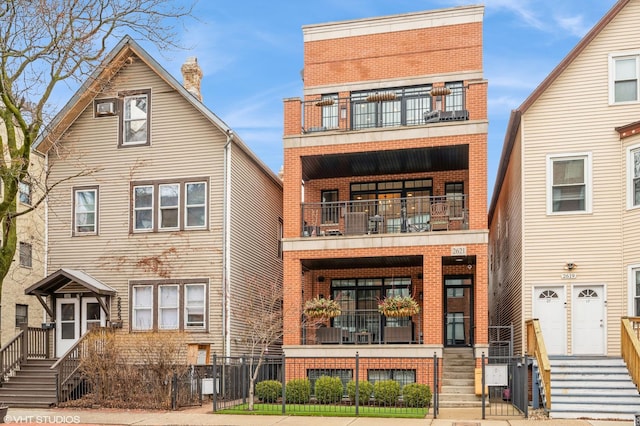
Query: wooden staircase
[
  {"x": 32, "y": 386},
  {"x": 458, "y": 379}
]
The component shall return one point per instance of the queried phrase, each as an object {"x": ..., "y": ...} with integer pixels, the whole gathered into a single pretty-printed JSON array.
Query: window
[
  {"x": 634, "y": 177},
  {"x": 164, "y": 215},
  {"x": 134, "y": 119},
  {"x": 329, "y": 104},
  {"x": 330, "y": 207},
  {"x": 25, "y": 255},
  {"x": 142, "y": 308},
  {"x": 455, "y": 100},
  {"x": 404, "y": 377},
  {"x": 390, "y": 107},
  {"x": 194, "y": 305},
  {"x": 169, "y": 305},
  {"x": 22, "y": 315},
  {"x": 624, "y": 72},
  {"x": 280, "y": 237},
  {"x": 196, "y": 205},
  {"x": 345, "y": 375},
  {"x": 569, "y": 183},
  {"x": 85, "y": 211},
  {"x": 635, "y": 291},
  {"x": 169, "y": 202},
  {"x": 24, "y": 192},
  {"x": 455, "y": 197}
]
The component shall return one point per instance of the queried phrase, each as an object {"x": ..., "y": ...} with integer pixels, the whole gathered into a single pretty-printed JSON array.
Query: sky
[{"x": 251, "y": 55}]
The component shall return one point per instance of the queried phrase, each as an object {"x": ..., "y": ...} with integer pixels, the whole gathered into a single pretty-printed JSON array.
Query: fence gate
[{"x": 506, "y": 384}]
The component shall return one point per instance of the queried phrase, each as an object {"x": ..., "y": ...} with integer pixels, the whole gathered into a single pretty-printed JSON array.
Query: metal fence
[
  {"x": 328, "y": 385},
  {"x": 505, "y": 384}
]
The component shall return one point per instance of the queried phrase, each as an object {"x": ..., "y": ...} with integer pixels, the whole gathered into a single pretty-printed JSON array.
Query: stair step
[{"x": 597, "y": 399}]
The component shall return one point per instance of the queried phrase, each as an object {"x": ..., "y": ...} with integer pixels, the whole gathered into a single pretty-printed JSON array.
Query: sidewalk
[{"x": 204, "y": 416}]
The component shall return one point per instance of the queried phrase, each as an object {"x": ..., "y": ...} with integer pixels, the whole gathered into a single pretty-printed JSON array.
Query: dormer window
[{"x": 135, "y": 118}]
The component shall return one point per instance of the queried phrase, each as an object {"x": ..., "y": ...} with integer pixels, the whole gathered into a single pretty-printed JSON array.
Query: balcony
[
  {"x": 406, "y": 106},
  {"x": 363, "y": 327},
  {"x": 385, "y": 216}
]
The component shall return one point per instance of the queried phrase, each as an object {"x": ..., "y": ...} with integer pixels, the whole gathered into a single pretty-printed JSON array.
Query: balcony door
[{"x": 458, "y": 310}]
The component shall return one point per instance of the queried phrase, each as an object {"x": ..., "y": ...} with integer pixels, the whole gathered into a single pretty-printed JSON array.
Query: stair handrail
[
  {"x": 11, "y": 356},
  {"x": 537, "y": 348},
  {"x": 68, "y": 366},
  {"x": 630, "y": 347}
]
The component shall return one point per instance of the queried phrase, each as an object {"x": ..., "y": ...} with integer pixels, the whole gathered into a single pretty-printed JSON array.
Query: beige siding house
[
  {"x": 17, "y": 308},
  {"x": 565, "y": 213},
  {"x": 163, "y": 217}
]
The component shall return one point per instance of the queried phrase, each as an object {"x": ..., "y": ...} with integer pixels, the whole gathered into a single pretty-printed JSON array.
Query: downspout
[
  {"x": 45, "y": 269},
  {"x": 226, "y": 248}
]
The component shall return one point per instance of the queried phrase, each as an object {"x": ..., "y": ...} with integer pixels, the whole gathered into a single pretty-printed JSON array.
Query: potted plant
[
  {"x": 398, "y": 306},
  {"x": 321, "y": 308}
]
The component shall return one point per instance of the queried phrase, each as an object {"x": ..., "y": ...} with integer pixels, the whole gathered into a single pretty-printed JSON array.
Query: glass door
[{"x": 458, "y": 310}]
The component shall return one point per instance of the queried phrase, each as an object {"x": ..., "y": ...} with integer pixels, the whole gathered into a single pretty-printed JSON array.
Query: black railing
[
  {"x": 388, "y": 216},
  {"x": 363, "y": 326},
  {"x": 394, "y": 108}
]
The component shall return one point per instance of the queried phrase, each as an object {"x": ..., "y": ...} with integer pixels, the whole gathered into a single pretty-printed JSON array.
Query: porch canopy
[{"x": 82, "y": 281}]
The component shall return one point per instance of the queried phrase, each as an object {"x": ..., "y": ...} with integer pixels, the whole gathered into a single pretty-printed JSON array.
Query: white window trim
[
  {"x": 587, "y": 178},
  {"x": 135, "y": 209},
  {"x": 630, "y": 194},
  {"x": 631, "y": 290},
  {"x": 187, "y": 206},
  {"x": 204, "y": 307},
  {"x": 76, "y": 231},
  {"x": 124, "y": 119},
  {"x": 612, "y": 60},
  {"x": 171, "y": 207},
  {"x": 176, "y": 307},
  {"x": 134, "y": 308}
]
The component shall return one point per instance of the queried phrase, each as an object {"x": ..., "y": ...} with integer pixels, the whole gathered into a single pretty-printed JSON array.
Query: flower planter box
[{"x": 398, "y": 334}]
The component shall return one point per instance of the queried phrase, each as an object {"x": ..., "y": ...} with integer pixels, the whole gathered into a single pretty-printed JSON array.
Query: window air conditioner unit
[{"x": 105, "y": 108}]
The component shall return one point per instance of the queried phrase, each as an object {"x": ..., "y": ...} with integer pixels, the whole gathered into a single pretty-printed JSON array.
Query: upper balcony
[
  {"x": 394, "y": 107},
  {"x": 385, "y": 216}
]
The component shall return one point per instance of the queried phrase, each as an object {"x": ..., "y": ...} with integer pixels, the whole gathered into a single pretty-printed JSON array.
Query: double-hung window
[
  {"x": 85, "y": 211},
  {"x": 624, "y": 73},
  {"x": 634, "y": 291},
  {"x": 169, "y": 305},
  {"x": 26, "y": 255},
  {"x": 634, "y": 177},
  {"x": 569, "y": 183},
  {"x": 169, "y": 206},
  {"x": 24, "y": 192},
  {"x": 134, "y": 119}
]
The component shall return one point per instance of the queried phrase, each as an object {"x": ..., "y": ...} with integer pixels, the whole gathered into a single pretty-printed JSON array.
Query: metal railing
[
  {"x": 630, "y": 347},
  {"x": 383, "y": 109},
  {"x": 388, "y": 216},
  {"x": 30, "y": 343},
  {"x": 363, "y": 326},
  {"x": 293, "y": 385},
  {"x": 537, "y": 349}
]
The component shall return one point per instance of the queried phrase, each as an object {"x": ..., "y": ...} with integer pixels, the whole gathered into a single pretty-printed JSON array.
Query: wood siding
[{"x": 573, "y": 116}]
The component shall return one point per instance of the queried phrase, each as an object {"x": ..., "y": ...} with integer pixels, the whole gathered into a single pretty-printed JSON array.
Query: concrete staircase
[
  {"x": 593, "y": 388},
  {"x": 33, "y": 386},
  {"x": 458, "y": 379}
]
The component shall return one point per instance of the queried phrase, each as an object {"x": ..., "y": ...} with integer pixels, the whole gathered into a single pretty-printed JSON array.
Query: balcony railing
[
  {"x": 410, "y": 106},
  {"x": 385, "y": 216},
  {"x": 363, "y": 326}
]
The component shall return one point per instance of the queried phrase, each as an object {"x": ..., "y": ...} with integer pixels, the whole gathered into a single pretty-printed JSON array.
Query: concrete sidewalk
[{"x": 204, "y": 416}]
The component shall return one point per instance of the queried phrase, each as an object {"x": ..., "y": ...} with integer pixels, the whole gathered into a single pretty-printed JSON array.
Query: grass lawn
[{"x": 328, "y": 411}]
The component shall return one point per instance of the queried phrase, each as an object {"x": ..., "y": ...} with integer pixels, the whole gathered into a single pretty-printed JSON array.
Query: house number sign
[
  {"x": 459, "y": 251},
  {"x": 569, "y": 276}
]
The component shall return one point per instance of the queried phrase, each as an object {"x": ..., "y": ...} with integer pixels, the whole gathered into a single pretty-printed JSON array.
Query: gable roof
[
  {"x": 64, "y": 276},
  {"x": 516, "y": 115},
  {"x": 107, "y": 69}
]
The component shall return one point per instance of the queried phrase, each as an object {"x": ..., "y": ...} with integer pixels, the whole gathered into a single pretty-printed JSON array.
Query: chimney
[{"x": 191, "y": 76}]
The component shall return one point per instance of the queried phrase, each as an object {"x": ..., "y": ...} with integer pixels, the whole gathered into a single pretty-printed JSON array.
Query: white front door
[
  {"x": 549, "y": 308},
  {"x": 92, "y": 314},
  {"x": 588, "y": 320},
  {"x": 67, "y": 324}
]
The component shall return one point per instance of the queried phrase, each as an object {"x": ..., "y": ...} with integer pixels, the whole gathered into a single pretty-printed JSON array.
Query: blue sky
[{"x": 251, "y": 55}]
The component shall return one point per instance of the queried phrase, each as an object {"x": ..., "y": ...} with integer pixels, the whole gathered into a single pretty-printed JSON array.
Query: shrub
[
  {"x": 364, "y": 392},
  {"x": 386, "y": 392},
  {"x": 416, "y": 395},
  {"x": 328, "y": 390},
  {"x": 298, "y": 391},
  {"x": 269, "y": 390}
]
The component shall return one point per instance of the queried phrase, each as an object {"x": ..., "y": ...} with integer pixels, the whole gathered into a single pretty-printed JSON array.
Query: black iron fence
[
  {"x": 505, "y": 383},
  {"x": 331, "y": 386}
]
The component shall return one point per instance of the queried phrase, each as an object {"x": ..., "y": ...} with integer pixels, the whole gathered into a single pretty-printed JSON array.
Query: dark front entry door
[{"x": 458, "y": 310}]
